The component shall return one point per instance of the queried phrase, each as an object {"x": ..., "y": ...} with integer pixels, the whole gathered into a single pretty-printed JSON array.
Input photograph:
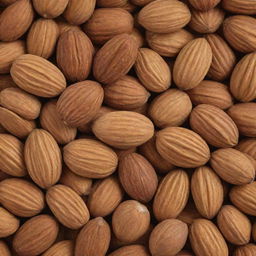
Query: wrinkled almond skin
[
  {"x": 74, "y": 55},
  {"x": 243, "y": 82},
  {"x": 172, "y": 195},
  {"x": 203, "y": 5},
  {"x": 130, "y": 250},
  {"x": 4, "y": 250},
  {"x": 239, "y": 28},
  {"x": 212, "y": 93},
  {"x": 80, "y": 102},
  {"x": 246, "y": 250},
  {"x": 42, "y": 38},
  {"x": 247, "y": 146},
  {"x": 20, "y": 102},
  {"x": 63, "y": 248},
  {"x": 11, "y": 156},
  {"x": 37, "y": 76},
  {"x": 246, "y": 7},
  {"x": 137, "y": 177},
  {"x": 186, "y": 78},
  {"x": 182, "y": 147},
  {"x": 13, "y": 28},
  {"x": 123, "y": 129},
  {"x": 67, "y": 206},
  {"x": 130, "y": 221},
  {"x": 102, "y": 25},
  {"x": 90, "y": 158},
  {"x": 207, "y": 191},
  {"x": 206, "y": 239},
  {"x": 93, "y": 239},
  {"x": 168, "y": 237},
  {"x": 9, "y": 51},
  {"x": 21, "y": 197},
  {"x": 115, "y": 58},
  {"x": 36, "y": 235},
  {"x": 171, "y": 108},
  {"x": 9, "y": 223},
  {"x": 174, "y": 16},
  {"x": 234, "y": 225},
  {"x": 50, "y": 9},
  {"x": 43, "y": 158}
]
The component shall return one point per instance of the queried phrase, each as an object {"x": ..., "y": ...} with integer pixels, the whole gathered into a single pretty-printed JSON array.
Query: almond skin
[
  {"x": 102, "y": 25},
  {"x": 141, "y": 2},
  {"x": 43, "y": 158},
  {"x": 37, "y": 76},
  {"x": 247, "y": 146},
  {"x": 67, "y": 206},
  {"x": 6, "y": 82},
  {"x": 42, "y": 38},
  {"x": 11, "y": 156},
  {"x": 237, "y": 6},
  {"x": 36, "y": 235},
  {"x": 182, "y": 147},
  {"x": 130, "y": 250},
  {"x": 246, "y": 250},
  {"x": 4, "y": 250},
  {"x": 189, "y": 213},
  {"x": 93, "y": 239},
  {"x": 123, "y": 129},
  {"x": 207, "y": 191},
  {"x": 11, "y": 29},
  {"x": 130, "y": 221},
  {"x": 90, "y": 158},
  {"x": 21, "y": 197},
  {"x": 212, "y": 93},
  {"x": 203, "y": 5},
  {"x": 62, "y": 248},
  {"x": 80, "y": 102},
  {"x": 9, "y": 51},
  {"x": 170, "y": 108},
  {"x": 9, "y": 223},
  {"x": 223, "y": 58},
  {"x": 107, "y": 67},
  {"x": 105, "y": 196},
  {"x": 172, "y": 195},
  {"x": 111, "y": 3},
  {"x": 254, "y": 231},
  {"x": 185, "y": 77},
  {"x": 174, "y": 16},
  {"x": 239, "y": 28},
  {"x": 20, "y": 102},
  {"x": 74, "y": 55},
  {"x": 234, "y": 225},
  {"x": 168, "y": 237},
  {"x": 137, "y": 177}
]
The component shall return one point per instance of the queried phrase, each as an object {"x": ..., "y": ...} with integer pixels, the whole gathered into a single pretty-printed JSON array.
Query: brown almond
[
  {"x": 138, "y": 37},
  {"x": 62, "y": 248},
  {"x": 141, "y": 2},
  {"x": 4, "y": 250},
  {"x": 130, "y": 250},
  {"x": 184, "y": 253},
  {"x": 6, "y": 82},
  {"x": 189, "y": 213},
  {"x": 111, "y": 3},
  {"x": 247, "y": 146},
  {"x": 203, "y": 5},
  {"x": 64, "y": 26},
  {"x": 9, "y": 223},
  {"x": 254, "y": 232},
  {"x": 246, "y": 250},
  {"x": 246, "y": 7}
]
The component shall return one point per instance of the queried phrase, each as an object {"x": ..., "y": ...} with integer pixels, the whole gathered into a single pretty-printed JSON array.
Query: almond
[
  {"x": 107, "y": 67},
  {"x": 50, "y": 9},
  {"x": 105, "y": 196},
  {"x": 90, "y": 158},
  {"x": 111, "y": 3},
  {"x": 80, "y": 102},
  {"x": 38, "y": 76},
  {"x": 246, "y": 250},
  {"x": 130, "y": 250},
  {"x": 242, "y": 82},
  {"x": 102, "y": 25},
  {"x": 182, "y": 147},
  {"x": 247, "y": 146},
  {"x": 137, "y": 177},
  {"x": 223, "y": 58},
  {"x": 172, "y": 195},
  {"x": 212, "y": 93},
  {"x": 254, "y": 232},
  {"x": 4, "y": 250},
  {"x": 141, "y": 2},
  {"x": 93, "y": 239},
  {"x": 42, "y": 37},
  {"x": 138, "y": 37},
  {"x": 43, "y": 158},
  {"x": 207, "y": 191},
  {"x": 11, "y": 29},
  {"x": 197, "y": 53},
  {"x": 174, "y": 16},
  {"x": 9, "y": 52},
  {"x": 67, "y": 206},
  {"x": 168, "y": 237},
  {"x": 9, "y": 223},
  {"x": 36, "y": 235},
  {"x": 123, "y": 129},
  {"x": 237, "y": 6},
  {"x": 64, "y": 26},
  {"x": 130, "y": 221},
  {"x": 152, "y": 70},
  {"x": 74, "y": 55},
  {"x": 20, "y": 102},
  {"x": 21, "y": 197},
  {"x": 206, "y": 239},
  {"x": 11, "y": 156},
  {"x": 234, "y": 225},
  {"x": 168, "y": 44},
  {"x": 62, "y": 248},
  {"x": 189, "y": 213},
  {"x": 184, "y": 253},
  {"x": 3, "y": 176},
  {"x": 6, "y": 82},
  {"x": 204, "y": 5}
]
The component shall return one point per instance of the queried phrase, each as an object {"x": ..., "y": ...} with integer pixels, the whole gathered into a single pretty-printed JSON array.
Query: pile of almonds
[{"x": 127, "y": 127}]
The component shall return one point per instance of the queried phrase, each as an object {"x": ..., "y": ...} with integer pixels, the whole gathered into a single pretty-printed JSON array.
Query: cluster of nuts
[{"x": 127, "y": 127}]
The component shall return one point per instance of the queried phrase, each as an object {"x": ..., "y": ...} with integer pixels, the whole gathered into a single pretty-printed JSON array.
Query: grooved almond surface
[
  {"x": 130, "y": 250},
  {"x": 62, "y": 248},
  {"x": 246, "y": 250},
  {"x": 204, "y": 5},
  {"x": 247, "y": 146},
  {"x": 237, "y": 6}
]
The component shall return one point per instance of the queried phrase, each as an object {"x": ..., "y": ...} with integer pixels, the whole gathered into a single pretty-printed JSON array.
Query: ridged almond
[
  {"x": 9, "y": 223},
  {"x": 130, "y": 250},
  {"x": 62, "y": 248},
  {"x": 247, "y": 146},
  {"x": 246, "y": 250},
  {"x": 246, "y": 7},
  {"x": 203, "y": 5},
  {"x": 111, "y": 3},
  {"x": 6, "y": 82},
  {"x": 140, "y": 2}
]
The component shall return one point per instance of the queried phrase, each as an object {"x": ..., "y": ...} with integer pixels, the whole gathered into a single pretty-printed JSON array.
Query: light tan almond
[
  {"x": 9, "y": 223},
  {"x": 62, "y": 248}
]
